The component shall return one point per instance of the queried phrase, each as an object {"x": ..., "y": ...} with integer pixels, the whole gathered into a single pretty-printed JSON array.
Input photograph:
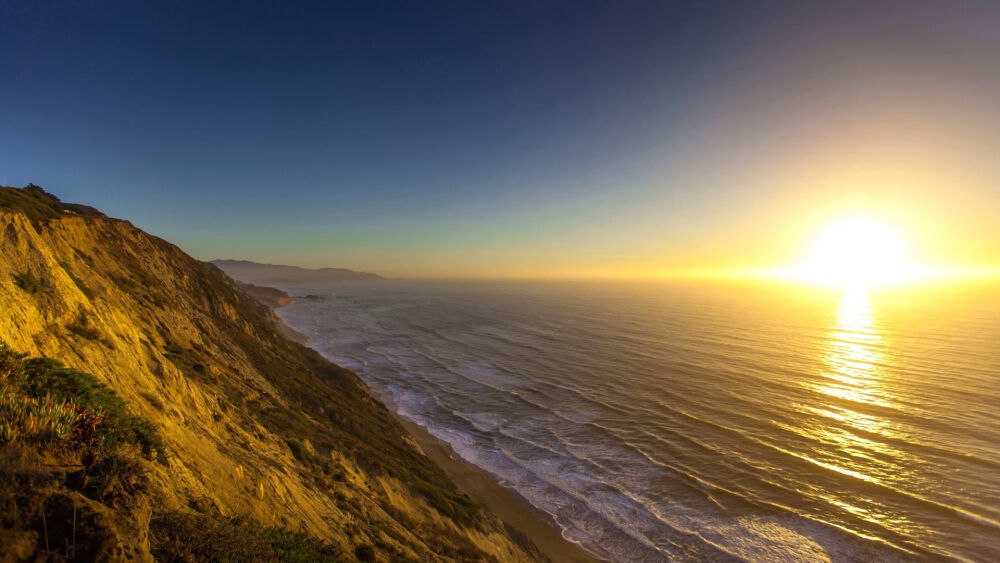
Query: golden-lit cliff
[{"x": 258, "y": 430}]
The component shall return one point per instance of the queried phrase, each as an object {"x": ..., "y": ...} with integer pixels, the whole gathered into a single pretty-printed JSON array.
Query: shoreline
[
  {"x": 512, "y": 508},
  {"x": 483, "y": 487}
]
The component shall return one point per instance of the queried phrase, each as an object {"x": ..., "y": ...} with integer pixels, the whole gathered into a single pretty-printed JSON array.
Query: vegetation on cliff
[
  {"x": 42, "y": 402},
  {"x": 40, "y": 206},
  {"x": 199, "y": 415},
  {"x": 71, "y": 510}
]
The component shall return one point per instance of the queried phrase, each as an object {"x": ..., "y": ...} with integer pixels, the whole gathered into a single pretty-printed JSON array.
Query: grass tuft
[
  {"x": 29, "y": 283},
  {"x": 82, "y": 327},
  {"x": 300, "y": 450}
]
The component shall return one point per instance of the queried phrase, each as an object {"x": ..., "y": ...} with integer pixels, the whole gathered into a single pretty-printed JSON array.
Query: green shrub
[
  {"x": 196, "y": 537},
  {"x": 30, "y": 283},
  {"x": 39, "y": 398},
  {"x": 119, "y": 427},
  {"x": 11, "y": 366}
]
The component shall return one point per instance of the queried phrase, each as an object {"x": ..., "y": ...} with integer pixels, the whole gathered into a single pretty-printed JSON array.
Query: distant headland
[{"x": 256, "y": 273}]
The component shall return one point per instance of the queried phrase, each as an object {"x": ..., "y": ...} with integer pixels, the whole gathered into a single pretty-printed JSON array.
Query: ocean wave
[{"x": 656, "y": 428}]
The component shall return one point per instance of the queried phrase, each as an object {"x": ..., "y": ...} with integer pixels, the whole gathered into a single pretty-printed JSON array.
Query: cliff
[
  {"x": 258, "y": 432},
  {"x": 270, "y": 296}
]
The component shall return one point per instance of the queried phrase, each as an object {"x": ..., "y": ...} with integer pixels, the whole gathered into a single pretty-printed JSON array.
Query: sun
[{"x": 856, "y": 253}]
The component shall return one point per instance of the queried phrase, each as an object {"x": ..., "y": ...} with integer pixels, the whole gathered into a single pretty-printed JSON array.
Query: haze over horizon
[{"x": 512, "y": 140}]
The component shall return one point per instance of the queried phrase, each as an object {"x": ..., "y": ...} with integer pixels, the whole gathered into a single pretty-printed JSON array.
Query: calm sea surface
[{"x": 664, "y": 421}]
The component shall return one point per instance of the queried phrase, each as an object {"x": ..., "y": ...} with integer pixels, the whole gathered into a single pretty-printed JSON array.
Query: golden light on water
[
  {"x": 853, "y": 355},
  {"x": 851, "y": 379}
]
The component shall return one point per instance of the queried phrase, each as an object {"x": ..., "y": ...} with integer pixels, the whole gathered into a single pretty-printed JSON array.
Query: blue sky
[{"x": 467, "y": 138}]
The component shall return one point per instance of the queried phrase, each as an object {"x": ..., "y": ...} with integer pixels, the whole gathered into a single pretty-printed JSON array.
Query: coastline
[{"x": 512, "y": 509}]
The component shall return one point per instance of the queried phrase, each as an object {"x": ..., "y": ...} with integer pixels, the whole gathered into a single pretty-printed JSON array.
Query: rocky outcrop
[{"x": 270, "y": 296}]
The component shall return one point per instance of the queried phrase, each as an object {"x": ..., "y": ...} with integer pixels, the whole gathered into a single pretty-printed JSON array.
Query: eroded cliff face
[{"x": 255, "y": 425}]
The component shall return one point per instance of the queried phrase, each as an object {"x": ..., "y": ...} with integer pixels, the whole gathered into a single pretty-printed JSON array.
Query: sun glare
[{"x": 856, "y": 253}]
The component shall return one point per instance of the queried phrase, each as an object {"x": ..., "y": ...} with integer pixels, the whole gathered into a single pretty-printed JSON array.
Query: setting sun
[{"x": 856, "y": 252}]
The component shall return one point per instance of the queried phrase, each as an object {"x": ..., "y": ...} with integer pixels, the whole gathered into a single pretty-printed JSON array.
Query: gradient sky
[{"x": 506, "y": 139}]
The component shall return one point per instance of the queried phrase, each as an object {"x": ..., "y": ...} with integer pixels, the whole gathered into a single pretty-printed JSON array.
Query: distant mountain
[{"x": 253, "y": 272}]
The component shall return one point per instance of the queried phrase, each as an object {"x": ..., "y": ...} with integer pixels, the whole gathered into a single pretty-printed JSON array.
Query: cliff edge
[{"x": 256, "y": 430}]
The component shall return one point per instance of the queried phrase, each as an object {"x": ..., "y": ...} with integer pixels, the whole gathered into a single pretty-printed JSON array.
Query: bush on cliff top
[{"x": 39, "y": 205}]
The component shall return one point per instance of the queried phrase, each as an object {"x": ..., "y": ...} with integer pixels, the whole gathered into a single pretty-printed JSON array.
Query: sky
[{"x": 507, "y": 139}]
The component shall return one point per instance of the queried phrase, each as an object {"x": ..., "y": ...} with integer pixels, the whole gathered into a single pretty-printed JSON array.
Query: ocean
[{"x": 669, "y": 421}]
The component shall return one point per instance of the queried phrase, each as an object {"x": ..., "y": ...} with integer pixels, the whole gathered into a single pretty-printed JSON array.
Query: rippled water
[{"x": 658, "y": 421}]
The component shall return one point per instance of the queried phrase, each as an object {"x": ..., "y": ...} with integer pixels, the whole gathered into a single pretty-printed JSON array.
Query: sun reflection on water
[
  {"x": 852, "y": 359},
  {"x": 851, "y": 432},
  {"x": 850, "y": 429}
]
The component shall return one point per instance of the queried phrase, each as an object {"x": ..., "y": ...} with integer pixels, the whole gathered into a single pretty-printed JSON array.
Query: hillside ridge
[
  {"x": 258, "y": 430},
  {"x": 257, "y": 273}
]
